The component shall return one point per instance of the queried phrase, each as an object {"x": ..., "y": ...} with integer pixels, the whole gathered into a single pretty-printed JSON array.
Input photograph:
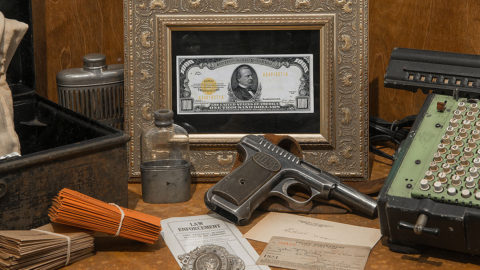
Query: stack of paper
[
  {"x": 297, "y": 242},
  {"x": 39, "y": 249},
  {"x": 79, "y": 210}
]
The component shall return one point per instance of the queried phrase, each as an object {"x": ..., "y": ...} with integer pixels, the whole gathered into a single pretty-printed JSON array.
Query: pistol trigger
[{"x": 315, "y": 193}]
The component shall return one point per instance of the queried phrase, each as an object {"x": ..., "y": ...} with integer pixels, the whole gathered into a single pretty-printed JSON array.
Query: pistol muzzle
[{"x": 359, "y": 202}]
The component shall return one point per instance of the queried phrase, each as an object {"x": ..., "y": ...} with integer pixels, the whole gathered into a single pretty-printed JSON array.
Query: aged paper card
[
  {"x": 299, "y": 227},
  {"x": 312, "y": 255}
]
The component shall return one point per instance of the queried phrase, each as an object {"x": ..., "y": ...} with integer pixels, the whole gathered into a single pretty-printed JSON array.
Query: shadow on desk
[
  {"x": 429, "y": 258},
  {"x": 111, "y": 243},
  {"x": 133, "y": 199},
  {"x": 435, "y": 257}
]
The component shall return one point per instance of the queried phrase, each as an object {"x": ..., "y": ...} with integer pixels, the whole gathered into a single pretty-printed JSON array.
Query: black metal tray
[{"x": 60, "y": 149}]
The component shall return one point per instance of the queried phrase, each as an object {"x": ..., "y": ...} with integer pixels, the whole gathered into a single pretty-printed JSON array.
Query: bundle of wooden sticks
[{"x": 76, "y": 209}]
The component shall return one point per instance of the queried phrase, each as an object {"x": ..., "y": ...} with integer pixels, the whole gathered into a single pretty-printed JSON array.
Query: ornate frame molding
[{"x": 342, "y": 145}]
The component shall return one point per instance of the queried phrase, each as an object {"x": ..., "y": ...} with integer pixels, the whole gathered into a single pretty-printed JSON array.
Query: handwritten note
[
  {"x": 312, "y": 255},
  {"x": 299, "y": 227}
]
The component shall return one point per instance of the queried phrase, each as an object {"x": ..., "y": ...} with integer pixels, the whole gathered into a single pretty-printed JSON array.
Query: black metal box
[{"x": 60, "y": 148}]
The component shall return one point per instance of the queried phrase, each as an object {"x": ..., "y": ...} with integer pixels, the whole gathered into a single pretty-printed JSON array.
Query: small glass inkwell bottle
[{"x": 165, "y": 165}]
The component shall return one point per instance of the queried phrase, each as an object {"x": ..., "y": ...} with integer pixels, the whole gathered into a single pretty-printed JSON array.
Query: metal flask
[{"x": 96, "y": 90}]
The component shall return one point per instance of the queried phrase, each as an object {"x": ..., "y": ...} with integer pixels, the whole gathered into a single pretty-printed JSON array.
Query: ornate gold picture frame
[{"x": 340, "y": 142}]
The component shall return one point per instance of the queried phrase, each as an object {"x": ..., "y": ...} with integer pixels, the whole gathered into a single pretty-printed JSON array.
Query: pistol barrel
[{"x": 354, "y": 199}]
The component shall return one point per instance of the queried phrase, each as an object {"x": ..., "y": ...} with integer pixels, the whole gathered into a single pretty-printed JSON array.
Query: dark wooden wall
[
  {"x": 65, "y": 30},
  {"x": 443, "y": 25}
]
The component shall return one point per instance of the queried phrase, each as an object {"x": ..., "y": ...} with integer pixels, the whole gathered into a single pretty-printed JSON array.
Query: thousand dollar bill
[{"x": 241, "y": 84}]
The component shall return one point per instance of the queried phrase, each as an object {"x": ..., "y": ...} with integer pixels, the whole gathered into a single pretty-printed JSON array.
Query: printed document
[{"x": 184, "y": 234}]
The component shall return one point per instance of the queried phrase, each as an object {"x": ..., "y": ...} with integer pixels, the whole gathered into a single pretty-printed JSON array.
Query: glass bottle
[
  {"x": 165, "y": 166},
  {"x": 165, "y": 140}
]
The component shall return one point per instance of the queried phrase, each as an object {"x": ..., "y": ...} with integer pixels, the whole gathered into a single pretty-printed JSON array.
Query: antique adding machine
[{"x": 432, "y": 195}]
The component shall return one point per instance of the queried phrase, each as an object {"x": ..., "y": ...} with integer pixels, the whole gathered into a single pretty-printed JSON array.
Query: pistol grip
[{"x": 244, "y": 181}]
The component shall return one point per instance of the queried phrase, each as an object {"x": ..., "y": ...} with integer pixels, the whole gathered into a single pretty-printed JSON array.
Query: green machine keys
[{"x": 443, "y": 163}]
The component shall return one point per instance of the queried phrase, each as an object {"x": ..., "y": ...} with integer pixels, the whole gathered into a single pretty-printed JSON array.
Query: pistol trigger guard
[{"x": 281, "y": 190}]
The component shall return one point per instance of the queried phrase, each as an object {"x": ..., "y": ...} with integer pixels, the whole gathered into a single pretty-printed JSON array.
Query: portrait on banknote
[
  {"x": 237, "y": 67},
  {"x": 244, "y": 83}
]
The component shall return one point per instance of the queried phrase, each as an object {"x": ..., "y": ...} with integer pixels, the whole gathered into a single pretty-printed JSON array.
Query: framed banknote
[{"x": 228, "y": 68}]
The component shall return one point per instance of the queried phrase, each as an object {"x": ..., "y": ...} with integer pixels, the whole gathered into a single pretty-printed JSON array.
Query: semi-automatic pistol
[{"x": 269, "y": 170}]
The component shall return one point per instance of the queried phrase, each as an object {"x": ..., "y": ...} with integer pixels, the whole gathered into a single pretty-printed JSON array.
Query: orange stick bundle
[{"x": 76, "y": 209}]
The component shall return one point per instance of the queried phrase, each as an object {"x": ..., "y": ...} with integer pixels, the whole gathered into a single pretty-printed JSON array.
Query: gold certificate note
[
  {"x": 311, "y": 255},
  {"x": 242, "y": 84}
]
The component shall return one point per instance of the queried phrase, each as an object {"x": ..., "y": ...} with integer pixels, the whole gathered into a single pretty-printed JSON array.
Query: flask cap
[
  {"x": 94, "y": 60},
  {"x": 163, "y": 117}
]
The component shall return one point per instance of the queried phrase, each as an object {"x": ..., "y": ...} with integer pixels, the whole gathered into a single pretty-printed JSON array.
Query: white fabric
[{"x": 11, "y": 34}]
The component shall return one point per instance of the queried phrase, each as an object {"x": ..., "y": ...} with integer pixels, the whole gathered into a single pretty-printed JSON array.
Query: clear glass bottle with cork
[{"x": 165, "y": 166}]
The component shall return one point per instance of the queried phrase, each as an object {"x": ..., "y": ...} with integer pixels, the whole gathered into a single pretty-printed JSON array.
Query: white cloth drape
[{"x": 11, "y": 33}]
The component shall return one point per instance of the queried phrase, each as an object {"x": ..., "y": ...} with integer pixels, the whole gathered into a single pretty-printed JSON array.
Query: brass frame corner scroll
[{"x": 341, "y": 147}]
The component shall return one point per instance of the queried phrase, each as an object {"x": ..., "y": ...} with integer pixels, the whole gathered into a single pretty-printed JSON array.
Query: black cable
[{"x": 382, "y": 131}]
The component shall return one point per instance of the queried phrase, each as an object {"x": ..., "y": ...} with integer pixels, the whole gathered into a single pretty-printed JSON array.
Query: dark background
[
  {"x": 249, "y": 43},
  {"x": 21, "y": 68}
]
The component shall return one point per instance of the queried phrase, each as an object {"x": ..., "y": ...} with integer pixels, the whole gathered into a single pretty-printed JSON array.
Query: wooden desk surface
[{"x": 117, "y": 253}]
